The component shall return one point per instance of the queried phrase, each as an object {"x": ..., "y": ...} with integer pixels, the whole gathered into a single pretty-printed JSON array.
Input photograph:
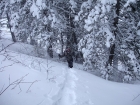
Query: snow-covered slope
[
  {"x": 41, "y": 83},
  {"x": 52, "y": 83}
]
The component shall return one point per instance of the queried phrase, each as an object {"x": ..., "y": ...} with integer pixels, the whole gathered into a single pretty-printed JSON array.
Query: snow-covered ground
[{"x": 36, "y": 81}]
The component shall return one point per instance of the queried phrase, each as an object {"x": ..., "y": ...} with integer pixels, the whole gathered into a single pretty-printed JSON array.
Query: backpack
[
  {"x": 68, "y": 50},
  {"x": 68, "y": 55}
]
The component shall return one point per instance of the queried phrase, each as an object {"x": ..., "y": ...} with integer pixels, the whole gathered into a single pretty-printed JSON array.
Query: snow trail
[{"x": 68, "y": 95}]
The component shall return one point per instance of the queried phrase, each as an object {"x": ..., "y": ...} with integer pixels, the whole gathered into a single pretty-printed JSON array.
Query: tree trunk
[
  {"x": 62, "y": 44},
  {"x": 12, "y": 33},
  {"x": 111, "y": 56},
  {"x": 114, "y": 46},
  {"x": 72, "y": 39}
]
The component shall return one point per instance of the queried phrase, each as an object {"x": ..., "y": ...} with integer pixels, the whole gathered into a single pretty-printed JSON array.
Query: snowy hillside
[
  {"x": 36, "y": 81},
  {"x": 104, "y": 35}
]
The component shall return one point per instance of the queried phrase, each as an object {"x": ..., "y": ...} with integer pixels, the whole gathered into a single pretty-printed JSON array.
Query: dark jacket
[{"x": 68, "y": 55}]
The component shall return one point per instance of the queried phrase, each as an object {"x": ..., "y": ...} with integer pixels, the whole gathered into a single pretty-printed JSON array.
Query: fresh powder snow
[{"x": 37, "y": 81}]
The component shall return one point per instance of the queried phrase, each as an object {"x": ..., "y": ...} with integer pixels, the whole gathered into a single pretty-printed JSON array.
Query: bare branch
[
  {"x": 31, "y": 85},
  {"x": 17, "y": 83},
  {"x": 19, "y": 88},
  {"x": 4, "y": 48},
  {"x": 9, "y": 79},
  {"x": 2, "y": 88},
  {"x": 136, "y": 97},
  {"x": 5, "y": 89},
  {"x": 2, "y": 68}
]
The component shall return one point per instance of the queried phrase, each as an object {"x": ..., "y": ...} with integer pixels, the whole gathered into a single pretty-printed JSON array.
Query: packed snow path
[
  {"x": 67, "y": 94},
  {"x": 82, "y": 88}
]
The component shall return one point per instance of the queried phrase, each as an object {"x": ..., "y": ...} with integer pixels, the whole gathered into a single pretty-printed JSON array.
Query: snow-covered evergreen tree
[
  {"x": 128, "y": 40},
  {"x": 95, "y": 44},
  {"x": 115, "y": 32}
]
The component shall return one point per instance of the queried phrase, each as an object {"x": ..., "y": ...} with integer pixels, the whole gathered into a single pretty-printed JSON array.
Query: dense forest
[{"x": 104, "y": 35}]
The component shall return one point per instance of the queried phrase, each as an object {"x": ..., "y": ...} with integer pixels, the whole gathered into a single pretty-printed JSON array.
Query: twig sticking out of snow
[
  {"x": 17, "y": 83},
  {"x": 136, "y": 97},
  {"x": 5, "y": 47},
  {"x": 2, "y": 68}
]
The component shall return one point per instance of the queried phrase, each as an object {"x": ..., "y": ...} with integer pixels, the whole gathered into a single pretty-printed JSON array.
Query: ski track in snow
[{"x": 67, "y": 95}]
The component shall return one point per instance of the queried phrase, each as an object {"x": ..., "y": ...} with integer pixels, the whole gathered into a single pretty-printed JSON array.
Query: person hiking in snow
[{"x": 68, "y": 55}]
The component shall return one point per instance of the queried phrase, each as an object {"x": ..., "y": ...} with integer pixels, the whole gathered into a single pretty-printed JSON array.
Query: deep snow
[
  {"x": 62, "y": 86},
  {"x": 56, "y": 84}
]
